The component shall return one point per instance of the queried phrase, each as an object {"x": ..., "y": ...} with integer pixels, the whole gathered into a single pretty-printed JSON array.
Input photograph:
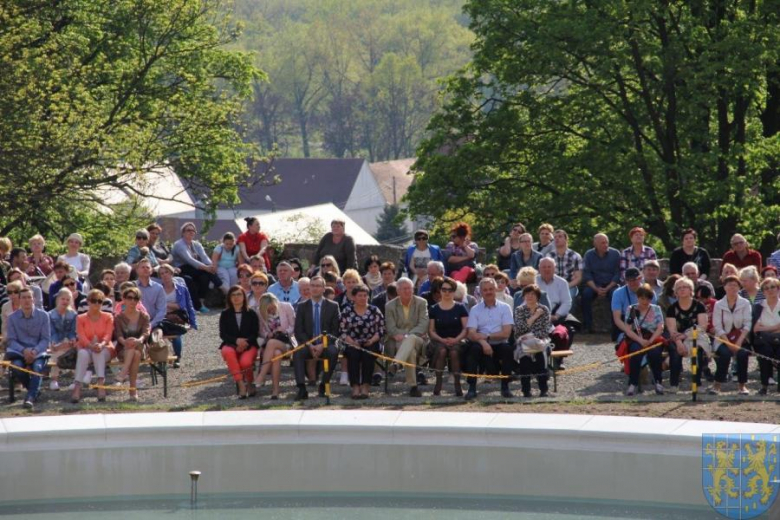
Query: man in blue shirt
[
  {"x": 625, "y": 297},
  {"x": 29, "y": 334},
  {"x": 286, "y": 289},
  {"x": 601, "y": 273},
  {"x": 152, "y": 293}
]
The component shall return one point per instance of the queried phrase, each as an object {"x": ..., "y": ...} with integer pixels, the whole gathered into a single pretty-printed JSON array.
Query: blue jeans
[
  {"x": 30, "y": 382},
  {"x": 574, "y": 291},
  {"x": 586, "y": 302},
  {"x": 177, "y": 344}
]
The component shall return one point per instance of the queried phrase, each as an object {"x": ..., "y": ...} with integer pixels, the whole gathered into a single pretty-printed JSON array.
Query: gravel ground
[{"x": 598, "y": 390}]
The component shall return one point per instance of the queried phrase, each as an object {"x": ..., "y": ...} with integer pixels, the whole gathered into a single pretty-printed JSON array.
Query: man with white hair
[
  {"x": 740, "y": 255},
  {"x": 559, "y": 296},
  {"x": 407, "y": 331},
  {"x": 489, "y": 327},
  {"x": 433, "y": 269},
  {"x": 690, "y": 271}
]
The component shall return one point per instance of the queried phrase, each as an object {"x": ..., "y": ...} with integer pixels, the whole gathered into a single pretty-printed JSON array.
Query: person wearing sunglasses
[
  {"x": 28, "y": 335},
  {"x": 131, "y": 329},
  {"x": 418, "y": 256},
  {"x": 244, "y": 272},
  {"x": 141, "y": 249},
  {"x": 60, "y": 270},
  {"x": 510, "y": 246},
  {"x": 195, "y": 265},
  {"x": 447, "y": 330},
  {"x": 297, "y": 268},
  {"x": 94, "y": 330},
  {"x": 258, "y": 284}
]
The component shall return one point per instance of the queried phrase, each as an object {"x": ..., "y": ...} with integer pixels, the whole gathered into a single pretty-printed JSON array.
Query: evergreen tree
[{"x": 389, "y": 227}]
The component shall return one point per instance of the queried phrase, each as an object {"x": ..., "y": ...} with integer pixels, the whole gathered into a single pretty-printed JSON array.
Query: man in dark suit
[{"x": 307, "y": 327}]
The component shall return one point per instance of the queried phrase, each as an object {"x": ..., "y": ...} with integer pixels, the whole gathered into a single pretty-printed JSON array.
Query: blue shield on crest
[{"x": 740, "y": 473}]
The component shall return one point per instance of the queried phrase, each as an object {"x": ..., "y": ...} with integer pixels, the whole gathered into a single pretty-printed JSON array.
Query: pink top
[{"x": 86, "y": 329}]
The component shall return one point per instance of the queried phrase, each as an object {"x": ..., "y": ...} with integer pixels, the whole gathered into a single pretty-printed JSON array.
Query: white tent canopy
[{"x": 307, "y": 225}]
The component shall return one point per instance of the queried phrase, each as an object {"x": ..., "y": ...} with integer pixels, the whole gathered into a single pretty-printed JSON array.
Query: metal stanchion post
[
  {"x": 694, "y": 363},
  {"x": 326, "y": 367}
]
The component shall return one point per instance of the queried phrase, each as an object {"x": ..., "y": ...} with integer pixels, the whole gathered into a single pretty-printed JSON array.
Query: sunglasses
[
  {"x": 141, "y": 238},
  {"x": 447, "y": 289},
  {"x": 326, "y": 265},
  {"x": 130, "y": 297},
  {"x": 297, "y": 269},
  {"x": 244, "y": 275},
  {"x": 13, "y": 292},
  {"x": 259, "y": 284},
  {"x": 95, "y": 301},
  {"x": 72, "y": 284},
  {"x": 422, "y": 238}
]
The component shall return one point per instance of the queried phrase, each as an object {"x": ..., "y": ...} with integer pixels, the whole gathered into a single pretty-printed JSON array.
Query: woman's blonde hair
[
  {"x": 350, "y": 274},
  {"x": 750, "y": 272},
  {"x": 332, "y": 260},
  {"x": 37, "y": 238},
  {"x": 683, "y": 281},
  {"x": 526, "y": 275},
  {"x": 266, "y": 300}
]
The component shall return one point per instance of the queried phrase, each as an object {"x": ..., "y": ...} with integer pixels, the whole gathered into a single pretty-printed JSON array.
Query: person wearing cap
[
  {"x": 650, "y": 273},
  {"x": 625, "y": 297},
  {"x": 195, "y": 265},
  {"x": 141, "y": 249},
  {"x": 420, "y": 254},
  {"x": 78, "y": 260},
  {"x": 637, "y": 254}
]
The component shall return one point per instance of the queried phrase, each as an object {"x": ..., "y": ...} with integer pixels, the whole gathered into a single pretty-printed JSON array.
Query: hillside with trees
[{"x": 347, "y": 78}]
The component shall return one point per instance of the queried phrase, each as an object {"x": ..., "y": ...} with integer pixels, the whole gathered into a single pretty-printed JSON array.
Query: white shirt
[
  {"x": 770, "y": 318},
  {"x": 557, "y": 294},
  {"x": 724, "y": 319}
]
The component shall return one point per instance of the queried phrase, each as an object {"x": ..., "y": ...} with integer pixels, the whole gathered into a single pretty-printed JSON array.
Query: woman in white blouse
[
  {"x": 731, "y": 319},
  {"x": 80, "y": 261},
  {"x": 766, "y": 326}
]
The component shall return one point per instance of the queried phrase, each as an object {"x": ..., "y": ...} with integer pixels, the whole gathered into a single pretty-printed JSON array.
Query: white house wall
[{"x": 366, "y": 201}]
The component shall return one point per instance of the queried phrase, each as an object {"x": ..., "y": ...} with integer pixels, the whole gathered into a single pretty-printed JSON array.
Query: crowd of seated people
[{"x": 520, "y": 312}]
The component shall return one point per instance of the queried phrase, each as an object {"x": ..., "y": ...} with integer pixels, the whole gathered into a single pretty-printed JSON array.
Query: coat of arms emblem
[{"x": 740, "y": 473}]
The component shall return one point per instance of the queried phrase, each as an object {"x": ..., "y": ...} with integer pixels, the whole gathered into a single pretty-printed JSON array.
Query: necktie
[{"x": 316, "y": 320}]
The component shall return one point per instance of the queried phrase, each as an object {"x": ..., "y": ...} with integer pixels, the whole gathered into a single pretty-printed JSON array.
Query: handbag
[
  {"x": 771, "y": 339},
  {"x": 178, "y": 317},
  {"x": 170, "y": 328},
  {"x": 67, "y": 360},
  {"x": 281, "y": 336},
  {"x": 159, "y": 347}
]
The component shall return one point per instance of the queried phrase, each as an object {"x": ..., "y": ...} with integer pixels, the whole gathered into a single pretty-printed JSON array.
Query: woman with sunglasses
[
  {"x": 178, "y": 306},
  {"x": 297, "y": 268},
  {"x": 447, "y": 330},
  {"x": 258, "y": 285},
  {"x": 244, "y": 273},
  {"x": 131, "y": 328},
  {"x": 94, "y": 330},
  {"x": 238, "y": 329},
  {"x": 766, "y": 329},
  {"x": 418, "y": 255},
  {"x": 80, "y": 303}
]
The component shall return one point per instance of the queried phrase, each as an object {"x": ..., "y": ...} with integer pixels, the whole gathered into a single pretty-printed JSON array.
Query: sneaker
[
  {"x": 203, "y": 310},
  {"x": 344, "y": 379},
  {"x": 72, "y": 386},
  {"x": 87, "y": 377},
  {"x": 659, "y": 389},
  {"x": 54, "y": 385},
  {"x": 744, "y": 391},
  {"x": 631, "y": 390},
  {"x": 28, "y": 404},
  {"x": 772, "y": 381}
]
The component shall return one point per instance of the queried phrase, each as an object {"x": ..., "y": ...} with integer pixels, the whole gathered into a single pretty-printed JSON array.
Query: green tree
[
  {"x": 98, "y": 94},
  {"x": 391, "y": 226},
  {"x": 605, "y": 115}
]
